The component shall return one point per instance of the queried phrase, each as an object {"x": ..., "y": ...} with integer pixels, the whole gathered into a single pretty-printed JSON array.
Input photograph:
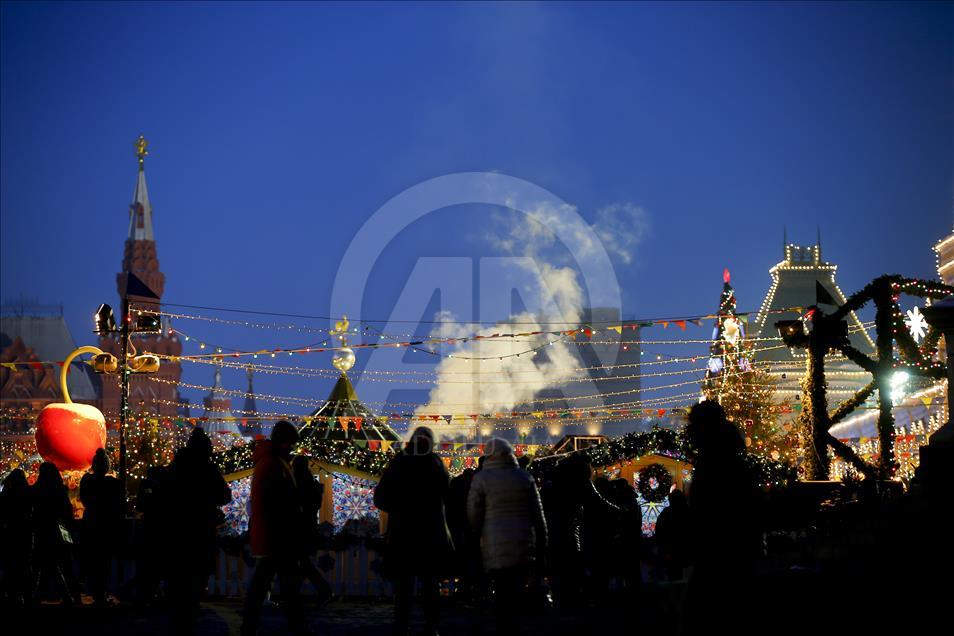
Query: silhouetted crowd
[
  {"x": 572, "y": 541},
  {"x": 491, "y": 535},
  {"x": 180, "y": 506}
]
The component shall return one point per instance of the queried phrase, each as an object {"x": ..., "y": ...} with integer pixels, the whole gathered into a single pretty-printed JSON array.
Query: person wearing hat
[{"x": 504, "y": 509}]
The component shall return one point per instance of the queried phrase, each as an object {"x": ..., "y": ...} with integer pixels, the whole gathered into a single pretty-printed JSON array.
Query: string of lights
[
  {"x": 564, "y": 336},
  {"x": 298, "y": 401},
  {"x": 631, "y": 323}
]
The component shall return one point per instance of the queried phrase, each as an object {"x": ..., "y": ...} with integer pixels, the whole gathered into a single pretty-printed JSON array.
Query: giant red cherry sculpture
[{"x": 68, "y": 434}]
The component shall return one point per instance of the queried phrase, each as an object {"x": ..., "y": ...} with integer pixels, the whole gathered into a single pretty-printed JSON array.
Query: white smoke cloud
[
  {"x": 621, "y": 227},
  {"x": 501, "y": 381},
  {"x": 617, "y": 228}
]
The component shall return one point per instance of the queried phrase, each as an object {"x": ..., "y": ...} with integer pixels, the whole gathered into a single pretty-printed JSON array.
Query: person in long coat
[
  {"x": 504, "y": 509},
  {"x": 725, "y": 547},
  {"x": 413, "y": 491},
  {"x": 193, "y": 500},
  {"x": 570, "y": 500},
  {"x": 15, "y": 528},
  {"x": 52, "y": 533},
  {"x": 277, "y": 530},
  {"x": 103, "y": 502}
]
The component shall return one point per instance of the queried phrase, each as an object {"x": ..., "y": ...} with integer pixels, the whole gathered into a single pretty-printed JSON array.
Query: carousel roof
[{"x": 344, "y": 417}]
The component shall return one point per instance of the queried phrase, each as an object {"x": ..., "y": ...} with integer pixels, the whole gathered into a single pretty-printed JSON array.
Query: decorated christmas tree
[
  {"x": 746, "y": 392},
  {"x": 726, "y": 351}
]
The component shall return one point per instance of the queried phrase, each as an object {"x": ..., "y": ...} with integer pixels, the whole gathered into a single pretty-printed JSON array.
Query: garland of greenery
[
  {"x": 889, "y": 326},
  {"x": 629, "y": 447},
  {"x": 654, "y": 483},
  {"x": 665, "y": 442},
  {"x": 851, "y": 403},
  {"x": 339, "y": 452}
]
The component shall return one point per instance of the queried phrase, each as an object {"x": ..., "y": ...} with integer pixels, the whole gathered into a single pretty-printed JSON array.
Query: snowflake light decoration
[
  {"x": 916, "y": 324},
  {"x": 353, "y": 499},
  {"x": 236, "y": 512}
]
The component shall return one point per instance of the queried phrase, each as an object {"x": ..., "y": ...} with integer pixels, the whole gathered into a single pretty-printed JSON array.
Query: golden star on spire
[{"x": 141, "y": 151}]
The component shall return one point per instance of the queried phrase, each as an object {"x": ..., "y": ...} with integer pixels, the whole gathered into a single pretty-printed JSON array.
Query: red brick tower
[{"x": 156, "y": 393}]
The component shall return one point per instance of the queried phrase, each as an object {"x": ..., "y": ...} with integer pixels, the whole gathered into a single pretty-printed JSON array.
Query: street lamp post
[
  {"x": 129, "y": 362},
  {"x": 123, "y": 387}
]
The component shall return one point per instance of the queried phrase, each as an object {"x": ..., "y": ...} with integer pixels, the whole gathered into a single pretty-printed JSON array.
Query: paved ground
[{"x": 352, "y": 618}]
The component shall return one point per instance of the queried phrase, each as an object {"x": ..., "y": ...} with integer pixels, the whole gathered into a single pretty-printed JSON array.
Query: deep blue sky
[{"x": 276, "y": 130}]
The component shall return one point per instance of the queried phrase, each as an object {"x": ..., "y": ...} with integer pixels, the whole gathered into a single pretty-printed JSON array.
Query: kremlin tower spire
[
  {"x": 140, "y": 210},
  {"x": 218, "y": 408},
  {"x": 254, "y": 427},
  {"x": 139, "y": 256},
  {"x": 157, "y": 393}
]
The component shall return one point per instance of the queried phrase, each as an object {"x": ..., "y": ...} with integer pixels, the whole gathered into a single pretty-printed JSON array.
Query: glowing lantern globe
[{"x": 69, "y": 434}]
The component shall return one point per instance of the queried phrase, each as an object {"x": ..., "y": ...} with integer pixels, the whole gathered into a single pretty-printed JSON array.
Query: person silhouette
[
  {"x": 628, "y": 537},
  {"x": 504, "y": 510},
  {"x": 672, "y": 536},
  {"x": 413, "y": 491},
  {"x": 103, "y": 502},
  {"x": 193, "y": 496},
  {"x": 277, "y": 529},
  {"x": 151, "y": 536},
  {"x": 310, "y": 494},
  {"x": 569, "y": 499},
  {"x": 15, "y": 520},
  {"x": 725, "y": 546},
  {"x": 52, "y": 533},
  {"x": 466, "y": 545}
]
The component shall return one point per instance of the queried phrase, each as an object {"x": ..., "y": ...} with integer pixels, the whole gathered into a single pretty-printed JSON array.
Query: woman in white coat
[{"x": 504, "y": 509}]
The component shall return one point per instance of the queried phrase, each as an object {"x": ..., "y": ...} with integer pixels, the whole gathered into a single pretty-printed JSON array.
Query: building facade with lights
[
  {"x": 32, "y": 336},
  {"x": 140, "y": 257},
  {"x": 793, "y": 289},
  {"x": 944, "y": 249}
]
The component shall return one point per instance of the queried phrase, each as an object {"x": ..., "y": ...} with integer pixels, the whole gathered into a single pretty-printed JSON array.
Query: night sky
[{"x": 277, "y": 130}]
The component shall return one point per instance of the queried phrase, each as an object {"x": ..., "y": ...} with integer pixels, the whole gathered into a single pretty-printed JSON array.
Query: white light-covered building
[{"x": 793, "y": 289}]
